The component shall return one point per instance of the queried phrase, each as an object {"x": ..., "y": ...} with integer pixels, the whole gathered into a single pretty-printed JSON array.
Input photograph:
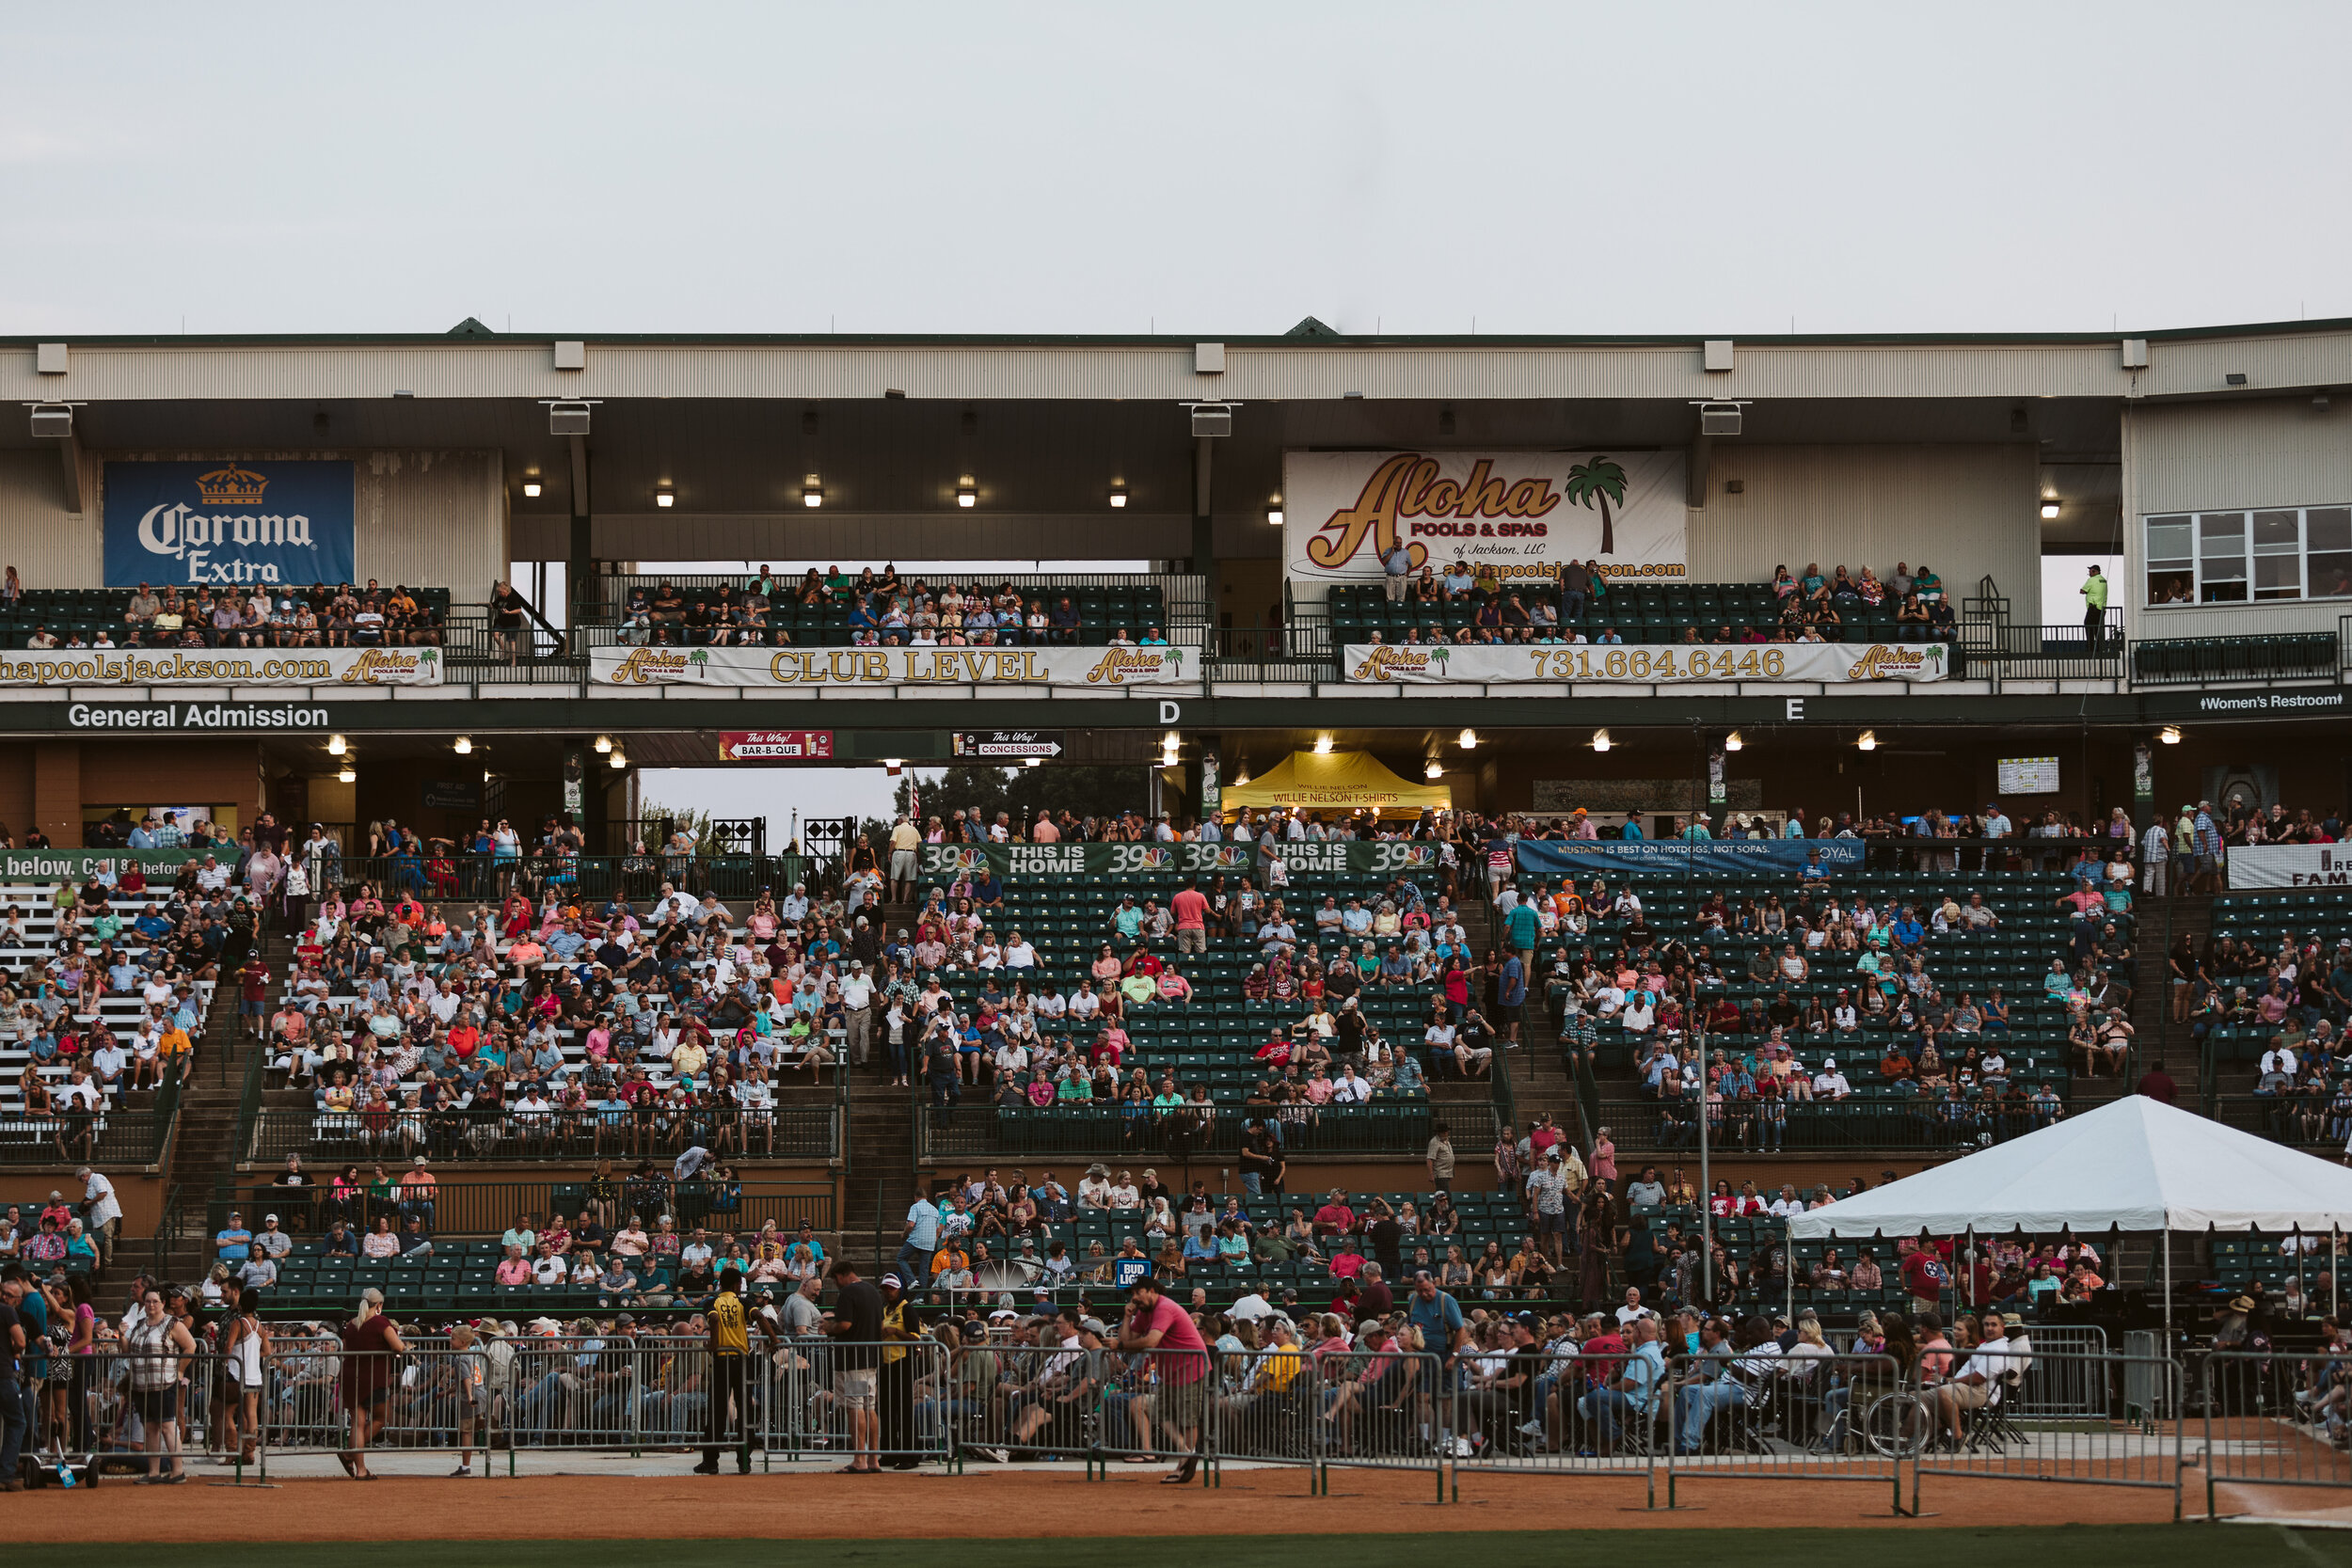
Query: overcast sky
[{"x": 1540, "y": 168}]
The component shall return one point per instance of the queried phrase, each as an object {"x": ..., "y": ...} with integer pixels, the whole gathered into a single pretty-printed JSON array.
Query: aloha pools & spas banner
[
  {"x": 199, "y": 524},
  {"x": 1775, "y": 857},
  {"x": 165, "y": 667},
  {"x": 1525, "y": 514},
  {"x": 1583, "y": 664},
  {"x": 887, "y": 666}
]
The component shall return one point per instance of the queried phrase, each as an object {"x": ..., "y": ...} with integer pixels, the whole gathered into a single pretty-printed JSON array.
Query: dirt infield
[{"x": 1007, "y": 1504}]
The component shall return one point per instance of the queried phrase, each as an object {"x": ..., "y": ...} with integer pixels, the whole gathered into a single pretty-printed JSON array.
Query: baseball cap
[
  {"x": 893, "y": 1281},
  {"x": 269, "y": 1219}
]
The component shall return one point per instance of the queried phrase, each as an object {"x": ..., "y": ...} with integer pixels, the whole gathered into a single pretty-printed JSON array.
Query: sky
[
  {"x": 1542, "y": 167},
  {"x": 928, "y": 167}
]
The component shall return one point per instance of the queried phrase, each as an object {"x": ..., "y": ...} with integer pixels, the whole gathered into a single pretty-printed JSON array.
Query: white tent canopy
[{"x": 2133, "y": 1164}]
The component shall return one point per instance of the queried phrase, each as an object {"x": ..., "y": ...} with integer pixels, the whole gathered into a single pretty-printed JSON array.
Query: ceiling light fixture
[
  {"x": 1274, "y": 513},
  {"x": 336, "y": 745},
  {"x": 967, "y": 493},
  {"x": 531, "y": 488},
  {"x": 1869, "y": 740},
  {"x": 619, "y": 761},
  {"x": 1032, "y": 762},
  {"x": 1433, "y": 769},
  {"x": 812, "y": 492},
  {"x": 1732, "y": 742},
  {"x": 463, "y": 746},
  {"x": 1322, "y": 745},
  {"x": 665, "y": 497},
  {"x": 2169, "y": 734},
  {"x": 347, "y": 774},
  {"x": 1600, "y": 741},
  {"x": 604, "y": 743},
  {"x": 1467, "y": 740},
  {"x": 1119, "y": 495},
  {"x": 2049, "y": 509}
]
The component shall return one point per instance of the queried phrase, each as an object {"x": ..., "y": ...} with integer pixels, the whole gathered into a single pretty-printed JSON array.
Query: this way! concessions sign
[
  {"x": 1523, "y": 512},
  {"x": 1827, "y": 663},
  {"x": 1009, "y": 744},
  {"x": 1336, "y": 857},
  {"x": 878, "y": 667},
  {"x": 61, "y": 667},
  {"x": 197, "y": 523},
  {"x": 775, "y": 745}
]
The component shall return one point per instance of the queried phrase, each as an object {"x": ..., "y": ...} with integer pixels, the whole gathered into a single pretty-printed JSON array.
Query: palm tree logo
[
  {"x": 1175, "y": 656},
  {"x": 1438, "y": 655},
  {"x": 700, "y": 660},
  {"x": 1599, "y": 482}
]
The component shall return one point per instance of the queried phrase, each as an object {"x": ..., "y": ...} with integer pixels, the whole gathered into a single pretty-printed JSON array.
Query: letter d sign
[{"x": 1171, "y": 713}]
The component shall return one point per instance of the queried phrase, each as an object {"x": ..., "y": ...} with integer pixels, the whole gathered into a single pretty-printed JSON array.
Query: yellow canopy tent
[{"x": 1335, "y": 781}]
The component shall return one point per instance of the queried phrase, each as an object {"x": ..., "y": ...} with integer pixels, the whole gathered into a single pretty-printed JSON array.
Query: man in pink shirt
[
  {"x": 1165, "y": 1331},
  {"x": 1192, "y": 919},
  {"x": 1045, "y": 832}
]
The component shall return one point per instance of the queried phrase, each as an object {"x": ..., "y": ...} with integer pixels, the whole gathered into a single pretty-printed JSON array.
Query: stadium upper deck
[{"x": 1263, "y": 479}]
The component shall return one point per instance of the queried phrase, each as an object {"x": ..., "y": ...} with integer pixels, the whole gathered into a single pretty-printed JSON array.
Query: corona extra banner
[
  {"x": 1826, "y": 663},
  {"x": 196, "y": 524},
  {"x": 1525, "y": 514},
  {"x": 1386, "y": 857},
  {"x": 85, "y": 667},
  {"x": 887, "y": 666}
]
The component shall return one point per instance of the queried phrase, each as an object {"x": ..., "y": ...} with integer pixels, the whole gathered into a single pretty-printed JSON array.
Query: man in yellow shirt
[
  {"x": 730, "y": 1352},
  {"x": 905, "y": 840}
]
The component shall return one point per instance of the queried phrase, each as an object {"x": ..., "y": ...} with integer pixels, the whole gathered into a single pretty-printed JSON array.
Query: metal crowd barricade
[
  {"x": 809, "y": 1391},
  {"x": 2065, "y": 1379},
  {"x": 2275, "y": 1420},
  {"x": 95, "y": 1415},
  {"x": 1770, "y": 1416},
  {"x": 1362, "y": 1408},
  {"x": 1577, "y": 1417},
  {"x": 1977, "y": 1427}
]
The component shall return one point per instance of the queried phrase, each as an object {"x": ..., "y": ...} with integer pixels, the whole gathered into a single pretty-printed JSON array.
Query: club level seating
[
  {"x": 1100, "y": 612},
  {"x": 68, "y": 610},
  {"x": 1649, "y": 613}
]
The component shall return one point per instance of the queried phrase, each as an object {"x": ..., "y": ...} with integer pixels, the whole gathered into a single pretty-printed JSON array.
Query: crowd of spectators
[
  {"x": 874, "y": 608},
  {"x": 261, "y": 615}
]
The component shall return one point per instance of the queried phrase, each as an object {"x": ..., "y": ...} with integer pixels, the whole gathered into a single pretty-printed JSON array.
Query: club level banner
[
  {"x": 195, "y": 523},
  {"x": 1524, "y": 512},
  {"x": 1350, "y": 856},
  {"x": 223, "y": 667},
  {"x": 78, "y": 865},
  {"x": 1827, "y": 663},
  {"x": 1780, "y": 857},
  {"x": 878, "y": 667},
  {"x": 2290, "y": 865}
]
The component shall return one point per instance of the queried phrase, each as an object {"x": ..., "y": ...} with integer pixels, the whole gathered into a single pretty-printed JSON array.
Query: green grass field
[{"x": 1920, "y": 1547}]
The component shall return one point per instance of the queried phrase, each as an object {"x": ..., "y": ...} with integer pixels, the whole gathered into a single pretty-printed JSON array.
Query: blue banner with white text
[
  {"x": 229, "y": 523},
  {"x": 1781, "y": 857}
]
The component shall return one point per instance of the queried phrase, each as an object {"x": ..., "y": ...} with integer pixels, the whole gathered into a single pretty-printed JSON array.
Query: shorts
[
  {"x": 1180, "y": 1404},
  {"x": 251, "y": 1008},
  {"x": 856, "y": 1386},
  {"x": 1971, "y": 1396},
  {"x": 156, "y": 1405},
  {"x": 1191, "y": 940},
  {"x": 903, "y": 866}
]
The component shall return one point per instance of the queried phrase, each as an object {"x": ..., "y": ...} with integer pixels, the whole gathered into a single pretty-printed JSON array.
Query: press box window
[{"x": 2245, "y": 557}]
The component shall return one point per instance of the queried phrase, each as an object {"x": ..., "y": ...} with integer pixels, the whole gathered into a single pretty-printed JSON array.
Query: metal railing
[
  {"x": 1782, "y": 1126},
  {"x": 638, "y": 877},
  {"x": 2259, "y": 656},
  {"x": 77, "y": 1137},
  {"x": 973, "y": 1131},
  {"x": 2304, "y": 1117},
  {"x": 469, "y": 1207},
  {"x": 453, "y": 1134},
  {"x": 2273, "y": 1419}
]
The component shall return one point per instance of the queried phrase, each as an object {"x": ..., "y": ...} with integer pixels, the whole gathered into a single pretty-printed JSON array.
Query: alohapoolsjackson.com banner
[
  {"x": 1777, "y": 857},
  {"x": 1827, "y": 663},
  {"x": 1526, "y": 513},
  {"x": 880, "y": 666},
  {"x": 1336, "y": 857},
  {"x": 84, "y": 667}
]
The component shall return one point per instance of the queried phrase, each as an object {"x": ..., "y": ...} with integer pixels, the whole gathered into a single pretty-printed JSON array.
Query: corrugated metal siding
[
  {"x": 2213, "y": 457},
  {"x": 437, "y": 518},
  {"x": 1966, "y": 511},
  {"x": 524, "y": 371},
  {"x": 49, "y": 547}
]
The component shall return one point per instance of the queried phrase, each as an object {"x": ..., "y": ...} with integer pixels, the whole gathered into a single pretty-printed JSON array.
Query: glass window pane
[
  {"x": 2278, "y": 577},
  {"x": 2216, "y": 527},
  {"x": 2331, "y": 575},
  {"x": 2169, "y": 585},
  {"x": 2221, "y": 558},
  {"x": 2328, "y": 528},
  {"x": 2172, "y": 539},
  {"x": 2275, "y": 532}
]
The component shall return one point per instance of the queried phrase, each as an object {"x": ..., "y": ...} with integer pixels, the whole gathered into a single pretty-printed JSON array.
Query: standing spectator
[
  {"x": 730, "y": 1398},
  {"x": 102, "y": 1214}
]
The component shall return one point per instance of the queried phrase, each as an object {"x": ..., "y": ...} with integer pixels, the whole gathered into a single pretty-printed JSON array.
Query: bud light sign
[{"x": 199, "y": 523}]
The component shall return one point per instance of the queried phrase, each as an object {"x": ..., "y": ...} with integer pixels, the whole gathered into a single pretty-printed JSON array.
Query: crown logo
[{"x": 230, "y": 486}]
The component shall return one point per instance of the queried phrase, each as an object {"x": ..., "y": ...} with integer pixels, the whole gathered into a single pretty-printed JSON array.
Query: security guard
[
  {"x": 898, "y": 1379},
  {"x": 730, "y": 1398}
]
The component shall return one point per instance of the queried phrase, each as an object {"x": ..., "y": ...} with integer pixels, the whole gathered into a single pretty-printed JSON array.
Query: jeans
[
  {"x": 13, "y": 1406},
  {"x": 1607, "y": 1409},
  {"x": 1696, "y": 1406},
  {"x": 914, "y": 1266},
  {"x": 1249, "y": 1183}
]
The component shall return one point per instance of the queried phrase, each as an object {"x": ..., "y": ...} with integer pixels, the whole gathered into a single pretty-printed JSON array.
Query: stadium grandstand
[{"x": 1592, "y": 803}]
